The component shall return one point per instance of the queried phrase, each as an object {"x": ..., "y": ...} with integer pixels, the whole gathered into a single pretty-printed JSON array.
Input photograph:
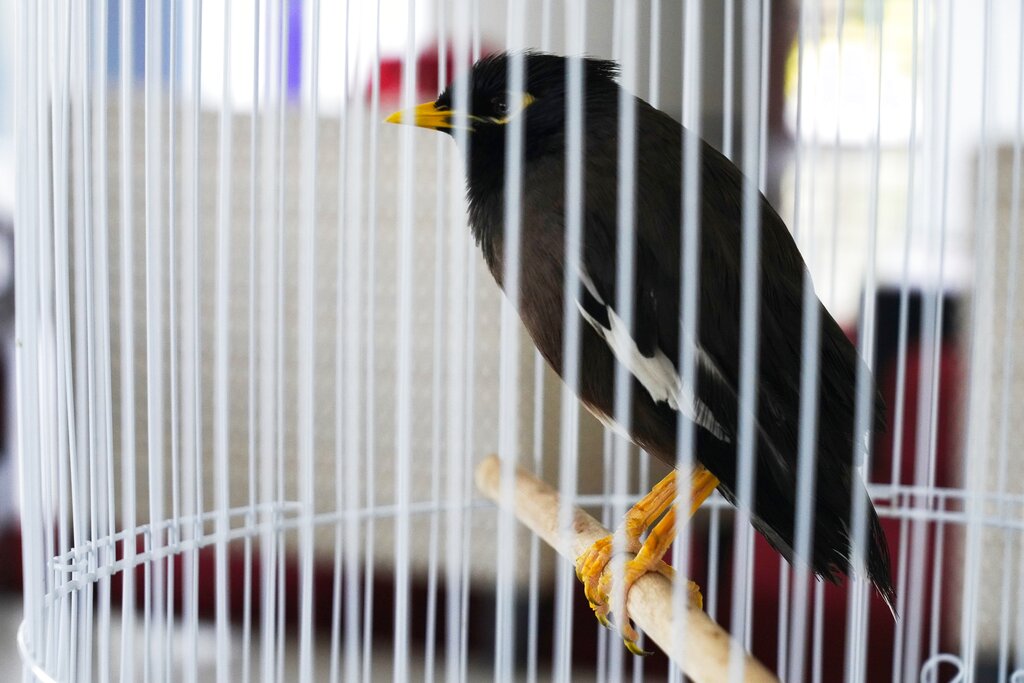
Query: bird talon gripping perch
[
  {"x": 646, "y": 345},
  {"x": 700, "y": 647},
  {"x": 593, "y": 566}
]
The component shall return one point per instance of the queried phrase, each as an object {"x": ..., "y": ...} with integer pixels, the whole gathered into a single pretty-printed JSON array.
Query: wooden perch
[{"x": 703, "y": 651}]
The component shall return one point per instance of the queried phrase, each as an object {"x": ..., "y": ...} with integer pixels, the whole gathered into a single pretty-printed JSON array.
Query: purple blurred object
[{"x": 294, "y": 48}]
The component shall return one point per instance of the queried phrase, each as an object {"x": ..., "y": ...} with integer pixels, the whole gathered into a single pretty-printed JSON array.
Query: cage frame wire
[{"x": 65, "y": 66}]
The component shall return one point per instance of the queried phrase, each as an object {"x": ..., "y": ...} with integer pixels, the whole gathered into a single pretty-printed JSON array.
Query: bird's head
[
  {"x": 481, "y": 107},
  {"x": 484, "y": 102}
]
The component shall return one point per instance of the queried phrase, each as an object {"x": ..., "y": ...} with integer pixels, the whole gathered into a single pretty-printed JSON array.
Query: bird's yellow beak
[{"x": 425, "y": 115}]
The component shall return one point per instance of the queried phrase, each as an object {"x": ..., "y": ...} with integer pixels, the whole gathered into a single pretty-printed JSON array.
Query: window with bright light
[
  {"x": 867, "y": 162},
  {"x": 839, "y": 70}
]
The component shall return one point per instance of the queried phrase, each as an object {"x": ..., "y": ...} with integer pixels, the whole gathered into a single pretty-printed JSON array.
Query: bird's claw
[
  {"x": 628, "y": 633},
  {"x": 601, "y": 612},
  {"x": 591, "y": 566},
  {"x": 593, "y": 571},
  {"x": 633, "y": 647}
]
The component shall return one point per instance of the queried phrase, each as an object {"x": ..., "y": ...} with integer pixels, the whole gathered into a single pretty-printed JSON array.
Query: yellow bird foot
[
  {"x": 593, "y": 571},
  {"x": 592, "y": 565},
  {"x": 632, "y": 571}
]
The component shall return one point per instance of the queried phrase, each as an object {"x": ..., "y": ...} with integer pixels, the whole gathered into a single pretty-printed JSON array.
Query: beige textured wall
[
  {"x": 384, "y": 316},
  {"x": 995, "y": 467}
]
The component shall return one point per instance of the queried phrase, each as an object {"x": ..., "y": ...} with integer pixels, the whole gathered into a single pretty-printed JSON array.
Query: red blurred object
[
  {"x": 428, "y": 63},
  {"x": 881, "y": 629}
]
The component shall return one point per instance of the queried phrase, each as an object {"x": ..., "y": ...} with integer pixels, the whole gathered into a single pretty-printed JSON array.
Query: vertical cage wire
[{"x": 259, "y": 356}]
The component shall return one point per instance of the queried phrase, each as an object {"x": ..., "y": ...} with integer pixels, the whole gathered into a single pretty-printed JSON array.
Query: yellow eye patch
[{"x": 516, "y": 104}]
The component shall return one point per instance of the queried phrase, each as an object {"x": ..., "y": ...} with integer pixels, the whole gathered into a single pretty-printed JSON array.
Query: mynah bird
[{"x": 648, "y": 349}]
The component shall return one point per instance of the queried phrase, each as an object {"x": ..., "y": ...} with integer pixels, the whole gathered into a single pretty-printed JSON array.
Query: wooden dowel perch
[{"x": 703, "y": 651}]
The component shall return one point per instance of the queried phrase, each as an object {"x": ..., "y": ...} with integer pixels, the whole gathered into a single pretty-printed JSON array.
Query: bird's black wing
[
  {"x": 651, "y": 348},
  {"x": 839, "y": 442},
  {"x": 781, "y": 279},
  {"x": 656, "y": 313},
  {"x": 646, "y": 336},
  {"x": 642, "y": 351}
]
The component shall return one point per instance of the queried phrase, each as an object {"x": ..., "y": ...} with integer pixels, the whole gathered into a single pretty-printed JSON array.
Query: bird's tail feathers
[{"x": 879, "y": 568}]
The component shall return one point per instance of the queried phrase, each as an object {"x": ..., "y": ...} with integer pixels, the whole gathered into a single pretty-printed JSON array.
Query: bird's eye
[
  {"x": 500, "y": 106},
  {"x": 504, "y": 107}
]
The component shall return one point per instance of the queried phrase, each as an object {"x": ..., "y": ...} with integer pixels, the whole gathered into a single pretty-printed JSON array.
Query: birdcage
[{"x": 262, "y": 366}]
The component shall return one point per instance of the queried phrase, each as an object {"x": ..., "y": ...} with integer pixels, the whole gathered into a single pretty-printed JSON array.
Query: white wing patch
[{"x": 656, "y": 374}]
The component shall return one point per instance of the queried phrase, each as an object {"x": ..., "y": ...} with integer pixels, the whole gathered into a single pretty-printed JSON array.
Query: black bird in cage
[{"x": 645, "y": 341}]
